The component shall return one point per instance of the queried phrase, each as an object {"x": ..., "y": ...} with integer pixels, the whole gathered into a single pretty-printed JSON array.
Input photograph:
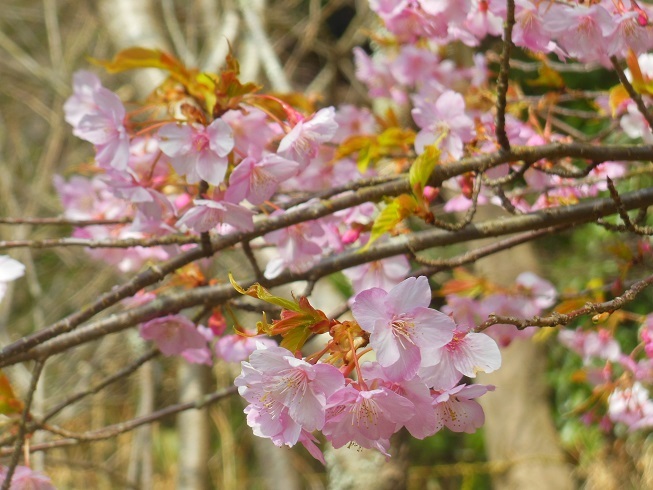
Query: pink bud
[{"x": 430, "y": 193}]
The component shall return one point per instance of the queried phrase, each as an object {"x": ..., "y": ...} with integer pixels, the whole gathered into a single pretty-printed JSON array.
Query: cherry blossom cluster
[
  {"x": 399, "y": 364},
  {"x": 211, "y": 156},
  {"x": 586, "y": 31},
  {"x": 623, "y": 379}
]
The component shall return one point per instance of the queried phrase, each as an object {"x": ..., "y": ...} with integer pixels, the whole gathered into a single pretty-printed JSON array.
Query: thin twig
[
  {"x": 439, "y": 265},
  {"x": 318, "y": 209},
  {"x": 22, "y": 428},
  {"x": 632, "y": 92},
  {"x": 504, "y": 73},
  {"x": 556, "y": 319},
  {"x": 116, "y": 429},
  {"x": 63, "y": 221},
  {"x": 584, "y": 212}
]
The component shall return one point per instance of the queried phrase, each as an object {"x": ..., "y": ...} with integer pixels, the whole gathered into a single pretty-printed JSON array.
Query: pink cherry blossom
[
  {"x": 82, "y": 101},
  {"x": 275, "y": 382},
  {"x": 444, "y": 119},
  {"x": 237, "y": 348},
  {"x": 631, "y": 406},
  {"x": 583, "y": 32},
  {"x": 173, "y": 334},
  {"x": 252, "y": 131},
  {"x": 97, "y": 115},
  {"x": 590, "y": 344},
  {"x": 541, "y": 291},
  {"x": 635, "y": 125},
  {"x": 208, "y": 214},
  {"x": 456, "y": 409},
  {"x": 366, "y": 417},
  {"x": 200, "y": 355},
  {"x": 404, "y": 331},
  {"x": 352, "y": 121},
  {"x": 297, "y": 246},
  {"x": 529, "y": 31},
  {"x": 257, "y": 180},
  {"x": 423, "y": 422},
  {"x": 302, "y": 142},
  {"x": 466, "y": 354},
  {"x": 198, "y": 152},
  {"x": 384, "y": 274},
  {"x": 25, "y": 478},
  {"x": 486, "y": 18}
]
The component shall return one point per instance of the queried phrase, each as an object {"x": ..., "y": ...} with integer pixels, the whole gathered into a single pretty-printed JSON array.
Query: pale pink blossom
[
  {"x": 365, "y": 417},
  {"x": 237, "y": 348},
  {"x": 277, "y": 384},
  {"x": 258, "y": 179},
  {"x": 466, "y": 354},
  {"x": 423, "y": 422},
  {"x": 457, "y": 410},
  {"x": 82, "y": 101},
  {"x": 252, "y": 131},
  {"x": 208, "y": 214},
  {"x": 201, "y": 355},
  {"x": 196, "y": 151},
  {"x": 302, "y": 142},
  {"x": 173, "y": 334},
  {"x": 404, "y": 331},
  {"x": 97, "y": 115},
  {"x": 384, "y": 274},
  {"x": 297, "y": 245},
  {"x": 631, "y": 406},
  {"x": 25, "y": 478},
  {"x": 486, "y": 18},
  {"x": 444, "y": 119},
  {"x": 353, "y": 121},
  {"x": 529, "y": 31},
  {"x": 590, "y": 344},
  {"x": 629, "y": 34},
  {"x": 582, "y": 31},
  {"x": 540, "y": 291},
  {"x": 635, "y": 125}
]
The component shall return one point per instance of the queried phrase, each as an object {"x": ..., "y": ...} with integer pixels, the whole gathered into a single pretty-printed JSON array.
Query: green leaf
[
  {"x": 258, "y": 291},
  {"x": 421, "y": 170},
  {"x": 295, "y": 339},
  {"x": 393, "y": 214}
]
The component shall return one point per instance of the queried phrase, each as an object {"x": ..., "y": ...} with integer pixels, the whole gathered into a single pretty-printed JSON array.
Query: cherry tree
[{"x": 210, "y": 165}]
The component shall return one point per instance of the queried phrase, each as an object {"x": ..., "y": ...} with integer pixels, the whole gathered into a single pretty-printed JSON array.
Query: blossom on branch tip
[
  {"x": 302, "y": 142},
  {"x": 208, "y": 214},
  {"x": 404, "y": 332},
  {"x": 173, "y": 334},
  {"x": 457, "y": 410},
  {"x": 366, "y": 417},
  {"x": 444, "y": 123},
  {"x": 198, "y": 152},
  {"x": 258, "y": 179},
  {"x": 286, "y": 391},
  {"x": 97, "y": 115}
]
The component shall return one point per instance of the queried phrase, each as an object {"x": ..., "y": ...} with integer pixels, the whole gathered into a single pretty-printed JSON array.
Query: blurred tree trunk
[
  {"x": 518, "y": 424},
  {"x": 194, "y": 441}
]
